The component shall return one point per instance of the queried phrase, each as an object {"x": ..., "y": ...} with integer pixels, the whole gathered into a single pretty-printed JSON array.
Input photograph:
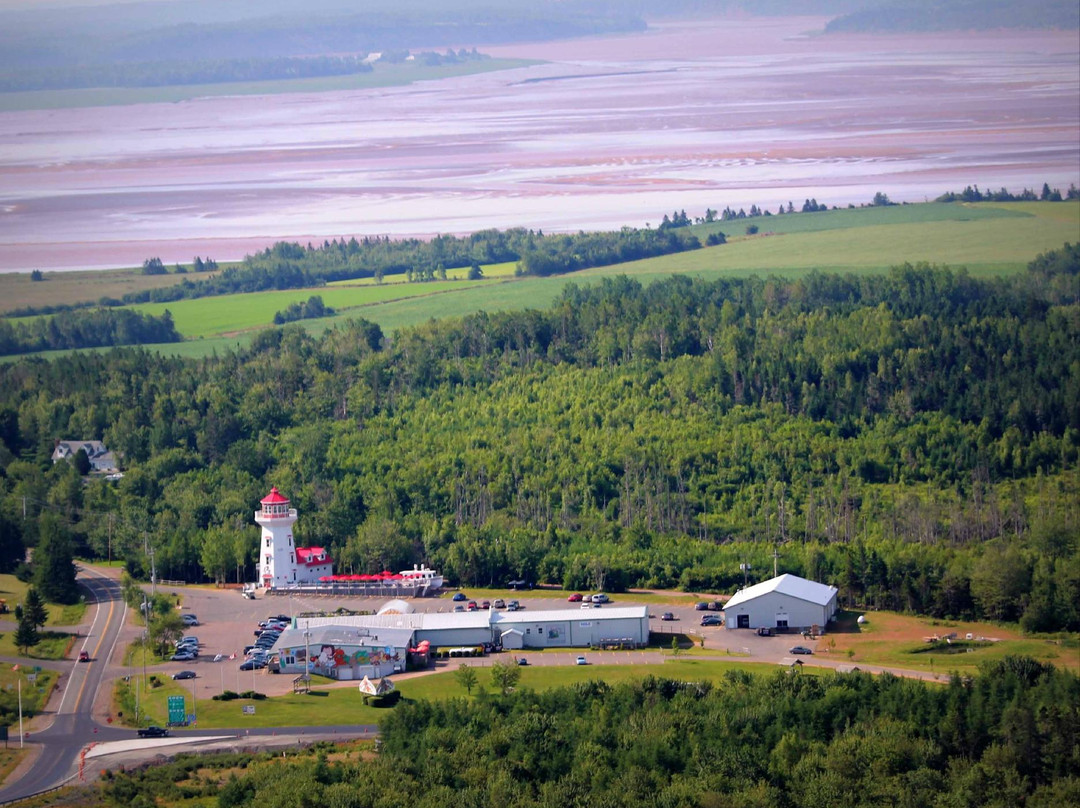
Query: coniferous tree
[
  {"x": 34, "y": 608},
  {"x": 54, "y": 567},
  {"x": 26, "y": 635}
]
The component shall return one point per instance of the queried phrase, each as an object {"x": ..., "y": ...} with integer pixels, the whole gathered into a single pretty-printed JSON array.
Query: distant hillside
[{"x": 959, "y": 15}]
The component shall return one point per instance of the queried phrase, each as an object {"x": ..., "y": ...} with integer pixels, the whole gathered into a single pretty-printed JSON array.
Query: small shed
[{"x": 513, "y": 639}]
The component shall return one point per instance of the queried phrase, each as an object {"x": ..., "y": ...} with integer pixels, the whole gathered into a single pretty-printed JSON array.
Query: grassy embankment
[
  {"x": 344, "y": 705},
  {"x": 988, "y": 239},
  {"x": 384, "y": 75},
  {"x": 34, "y": 694},
  {"x": 54, "y": 644}
]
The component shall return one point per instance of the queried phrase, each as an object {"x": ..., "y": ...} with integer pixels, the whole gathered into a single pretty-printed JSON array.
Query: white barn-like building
[{"x": 785, "y": 602}]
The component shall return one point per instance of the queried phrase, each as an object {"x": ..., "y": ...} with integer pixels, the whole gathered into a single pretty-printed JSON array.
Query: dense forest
[
  {"x": 1005, "y": 738},
  {"x": 86, "y": 329},
  {"x": 911, "y": 437}
]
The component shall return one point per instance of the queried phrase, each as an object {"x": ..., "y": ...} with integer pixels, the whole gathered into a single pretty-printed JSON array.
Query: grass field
[
  {"x": 344, "y": 705},
  {"x": 14, "y": 591},
  {"x": 988, "y": 239},
  {"x": 67, "y": 288},
  {"x": 384, "y": 75},
  {"x": 10, "y": 756},
  {"x": 897, "y": 640},
  {"x": 34, "y": 695}
]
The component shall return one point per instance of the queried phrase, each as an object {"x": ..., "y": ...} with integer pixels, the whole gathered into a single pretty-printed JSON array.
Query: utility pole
[
  {"x": 745, "y": 573},
  {"x": 21, "y": 736},
  {"x": 775, "y": 557}
]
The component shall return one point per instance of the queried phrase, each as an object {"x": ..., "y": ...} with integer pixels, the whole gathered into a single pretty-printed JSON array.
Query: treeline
[
  {"x": 911, "y": 437},
  {"x": 957, "y": 15},
  {"x": 973, "y": 194},
  {"x": 164, "y": 74},
  {"x": 311, "y": 309},
  {"x": 85, "y": 329},
  {"x": 1006, "y": 737}
]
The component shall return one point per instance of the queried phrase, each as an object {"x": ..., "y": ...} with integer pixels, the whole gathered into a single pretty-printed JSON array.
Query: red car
[
  {"x": 485, "y": 604},
  {"x": 83, "y": 656},
  {"x": 574, "y": 598},
  {"x": 471, "y": 606}
]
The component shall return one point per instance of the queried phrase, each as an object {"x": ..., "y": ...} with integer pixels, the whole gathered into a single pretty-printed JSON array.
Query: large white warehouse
[{"x": 785, "y": 602}]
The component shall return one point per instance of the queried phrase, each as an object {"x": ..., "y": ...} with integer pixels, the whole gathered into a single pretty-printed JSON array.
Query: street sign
[
  {"x": 249, "y": 709},
  {"x": 177, "y": 713},
  {"x": 31, "y": 677}
]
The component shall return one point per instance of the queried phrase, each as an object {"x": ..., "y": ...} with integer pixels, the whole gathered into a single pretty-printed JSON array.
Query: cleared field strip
[{"x": 209, "y": 316}]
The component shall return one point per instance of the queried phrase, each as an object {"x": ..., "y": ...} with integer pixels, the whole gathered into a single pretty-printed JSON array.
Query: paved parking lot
[{"x": 227, "y": 622}]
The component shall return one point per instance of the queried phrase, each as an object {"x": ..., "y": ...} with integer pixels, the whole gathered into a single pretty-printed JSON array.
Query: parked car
[
  {"x": 189, "y": 639},
  {"x": 712, "y": 620},
  {"x": 523, "y": 661},
  {"x": 153, "y": 732},
  {"x": 574, "y": 598},
  {"x": 601, "y": 598},
  {"x": 184, "y": 675},
  {"x": 800, "y": 649},
  {"x": 253, "y": 664},
  {"x": 189, "y": 619},
  {"x": 512, "y": 606},
  {"x": 716, "y": 606},
  {"x": 701, "y": 606},
  {"x": 586, "y": 598},
  {"x": 459, "y": 608},
  {"x": 471, "y": 606},
  {"x": 460, "y": 596},
  {"x": 764, "y": 631},
  {"x": 485, "y": 604},
  {"x": 582, "y": 661},
  {"x": 83, "y": 656},
  {"x": 183, "y": 656},
  {"x": 667, "y": 617},
  {"x": 498, "y": 603}
]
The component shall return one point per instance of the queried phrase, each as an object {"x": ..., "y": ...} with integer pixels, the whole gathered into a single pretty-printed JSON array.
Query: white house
[
  {"x": 785, "y": 602},
  {"x": 101, "y": 459}
]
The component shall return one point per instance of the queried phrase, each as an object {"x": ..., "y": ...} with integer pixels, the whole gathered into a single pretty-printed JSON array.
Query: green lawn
[
  {"x": 34, "y": 695},
  {"x": 384, "y": 75},
  {"x": 344, "y": 705},
  {"x": 913, "y": 656},
  {"x": 14, "y": 591},
  {"x": 53, "y": 645}
]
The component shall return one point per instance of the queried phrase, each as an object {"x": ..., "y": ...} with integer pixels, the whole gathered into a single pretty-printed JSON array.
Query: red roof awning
[{"x": 274, "y": 498}]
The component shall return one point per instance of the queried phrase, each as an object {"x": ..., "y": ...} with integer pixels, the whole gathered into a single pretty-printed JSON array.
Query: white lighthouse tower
[{"x": 281, "y": 563}]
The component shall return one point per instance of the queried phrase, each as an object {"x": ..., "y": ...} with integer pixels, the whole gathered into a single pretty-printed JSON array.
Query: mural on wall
[{"x": 331, "y": 656}]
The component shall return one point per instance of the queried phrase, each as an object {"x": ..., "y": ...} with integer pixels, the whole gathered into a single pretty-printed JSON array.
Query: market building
[{"x": 344, "y": 652}]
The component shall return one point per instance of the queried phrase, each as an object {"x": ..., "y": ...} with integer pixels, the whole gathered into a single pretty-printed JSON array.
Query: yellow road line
[{"x": 97, "y": 650}]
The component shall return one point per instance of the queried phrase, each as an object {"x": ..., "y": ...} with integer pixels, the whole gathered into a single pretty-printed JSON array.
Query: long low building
[
  {"x": 344, "y": 652},
  {"x": 554, "y": 628}
]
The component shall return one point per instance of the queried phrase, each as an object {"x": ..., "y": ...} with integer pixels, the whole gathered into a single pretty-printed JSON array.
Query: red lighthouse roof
[{"x": 274, "y": 498}]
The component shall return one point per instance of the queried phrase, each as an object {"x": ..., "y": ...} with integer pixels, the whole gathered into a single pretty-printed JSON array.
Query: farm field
[
  {"x": 344, "y": 705},
  {"x": 986, "y": 238},
  {"x": 384, "y": 75},
  {"x": 898, "y": 640}
]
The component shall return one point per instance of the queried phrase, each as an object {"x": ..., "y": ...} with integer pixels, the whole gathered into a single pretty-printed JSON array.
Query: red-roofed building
[{"x": 282, "y": 564}]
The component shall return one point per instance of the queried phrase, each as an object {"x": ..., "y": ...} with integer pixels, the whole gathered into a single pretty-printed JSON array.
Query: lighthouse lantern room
[{"x": 281, "y": 563}]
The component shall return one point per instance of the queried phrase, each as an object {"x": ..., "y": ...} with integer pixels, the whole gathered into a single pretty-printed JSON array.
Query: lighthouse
[{"x": 281, "y": 563}]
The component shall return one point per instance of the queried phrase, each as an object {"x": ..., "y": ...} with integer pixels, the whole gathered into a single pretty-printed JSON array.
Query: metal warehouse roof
[
  {"x": 570, "y": 615},
  {"x": 414, "y": 622},
  {"x": 787, "y": 584},
  {"x": 345, "y": 635}
]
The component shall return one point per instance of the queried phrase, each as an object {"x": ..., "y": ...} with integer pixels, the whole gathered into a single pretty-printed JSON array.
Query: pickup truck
[{"x": 153, "y": 732}]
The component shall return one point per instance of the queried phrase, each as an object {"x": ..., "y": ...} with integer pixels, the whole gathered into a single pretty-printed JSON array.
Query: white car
[{"x": 582, "y": 661}]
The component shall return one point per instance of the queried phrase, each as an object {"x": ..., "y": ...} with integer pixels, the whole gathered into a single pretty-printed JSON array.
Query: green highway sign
[{"x": 177, "y": 713}]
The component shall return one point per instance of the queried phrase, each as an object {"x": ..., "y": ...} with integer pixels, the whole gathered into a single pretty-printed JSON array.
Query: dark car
[
  {"x": 253, "y": 665},
  {"x": 667, "y": 617},
  {"x": 764, "y": 631},
  {"x": 701, "y": 606},
  {"x": 716, "y": 606},
  {"x": 459, "y": 596},
  {"x": 523, "y": 661},
  {"x": 153, "y": 732},
  {"x": 800, "y": 649},
  {"x": 712, "y": 620},
  {"x": 83, "y": 656},
  {"x": 184, "y": 675}
]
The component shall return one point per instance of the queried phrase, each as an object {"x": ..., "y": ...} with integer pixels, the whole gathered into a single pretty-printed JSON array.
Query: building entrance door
[{"x": 743, "y": 621}]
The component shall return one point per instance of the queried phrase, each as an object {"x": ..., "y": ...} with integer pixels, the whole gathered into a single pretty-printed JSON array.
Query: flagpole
[{"x": 21, "y": 736}]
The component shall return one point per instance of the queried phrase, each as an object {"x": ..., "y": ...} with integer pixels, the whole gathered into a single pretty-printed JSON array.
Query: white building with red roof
[{"x": 281, "y": 563}]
